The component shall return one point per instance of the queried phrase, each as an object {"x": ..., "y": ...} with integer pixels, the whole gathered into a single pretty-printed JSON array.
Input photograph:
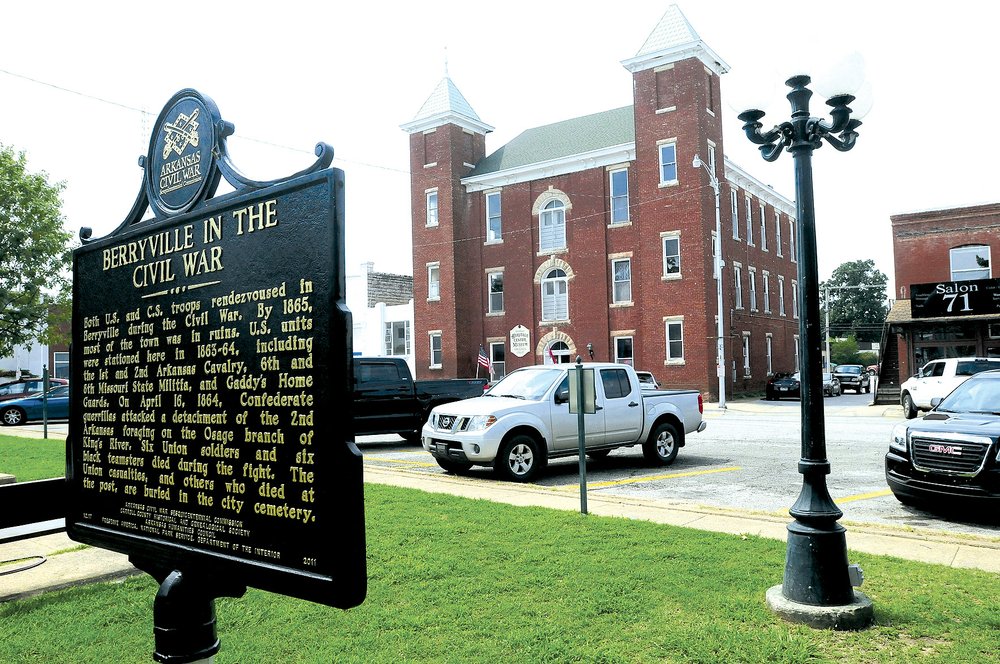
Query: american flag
[{"x": 484, "y": 361}]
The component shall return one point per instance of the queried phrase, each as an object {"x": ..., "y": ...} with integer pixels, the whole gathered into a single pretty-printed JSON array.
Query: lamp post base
[{"x": 854, "y": 616}]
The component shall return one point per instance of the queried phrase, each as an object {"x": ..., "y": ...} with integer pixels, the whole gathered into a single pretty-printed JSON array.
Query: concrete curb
[{"x": 75, "y": 566}]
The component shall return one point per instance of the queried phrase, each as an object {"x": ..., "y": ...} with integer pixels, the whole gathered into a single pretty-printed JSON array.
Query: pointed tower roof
[
  {"x": 446, "y": 105},
  {"x": 673, "y": 39}
]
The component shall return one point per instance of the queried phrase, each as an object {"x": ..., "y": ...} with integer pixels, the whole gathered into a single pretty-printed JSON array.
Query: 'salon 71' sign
[{"x": 955, "y": 298}]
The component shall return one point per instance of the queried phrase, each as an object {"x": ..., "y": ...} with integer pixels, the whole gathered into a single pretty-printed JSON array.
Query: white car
[
  {"x": 937, "y": 379},
  {"x": 647, "y": 380}
]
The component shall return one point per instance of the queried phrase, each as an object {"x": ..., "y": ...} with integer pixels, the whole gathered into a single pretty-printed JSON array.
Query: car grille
[
  {"x": 956, "y": 457},
  {"x": 452, "y": 423}
]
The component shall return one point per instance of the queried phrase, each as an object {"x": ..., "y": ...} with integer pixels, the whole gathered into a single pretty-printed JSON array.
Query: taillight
[{"x": 701, "y": 404}]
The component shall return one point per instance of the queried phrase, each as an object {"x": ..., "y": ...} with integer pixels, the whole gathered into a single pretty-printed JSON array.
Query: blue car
[{"x": 19, "y": 411}]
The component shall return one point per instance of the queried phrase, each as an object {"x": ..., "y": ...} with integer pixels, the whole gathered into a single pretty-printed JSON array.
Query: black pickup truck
[{"x": 388, "y": 400}]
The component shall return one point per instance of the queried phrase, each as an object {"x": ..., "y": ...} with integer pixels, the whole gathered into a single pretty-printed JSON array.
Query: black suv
[
  {"x": 853, "y": 377},
  {"x": 951, "y": 454}
]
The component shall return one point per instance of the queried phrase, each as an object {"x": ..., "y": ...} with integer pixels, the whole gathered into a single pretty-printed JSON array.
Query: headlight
[
  {"x": 481, "y": 422},
  {"x": 898, "y": 440}
]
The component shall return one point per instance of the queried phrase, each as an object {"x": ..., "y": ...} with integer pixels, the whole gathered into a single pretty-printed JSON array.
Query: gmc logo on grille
[{"x": 945, "y": 449}]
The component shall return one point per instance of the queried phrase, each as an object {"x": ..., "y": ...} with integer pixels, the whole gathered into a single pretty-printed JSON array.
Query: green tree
[
  {"x": 844, "y": 351},
  {"x": 34, "y": 254},
  {"x": 858, "y": 305}
]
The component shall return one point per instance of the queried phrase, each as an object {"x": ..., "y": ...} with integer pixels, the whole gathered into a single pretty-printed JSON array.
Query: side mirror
[
  {"x": 562, "y": 396},
  {"x": 935, "y": 401}
]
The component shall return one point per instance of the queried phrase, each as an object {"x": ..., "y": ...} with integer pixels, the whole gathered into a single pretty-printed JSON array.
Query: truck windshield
[{"x": 526, "y": 384}]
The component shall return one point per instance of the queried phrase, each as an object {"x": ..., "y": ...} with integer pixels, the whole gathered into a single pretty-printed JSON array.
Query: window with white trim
[
  {"x": 765, "y": 275},
  {"x": 432, "y": 207},
  {"x": 749, "y": 209},
  {"x": 434, "y": 281},
  {"x": 781, "y": 295},
  {"x": 791, "y": 240},
  {"x": 397, "y": 338},
  {"x": 618, "y": 184},
  {"x": 753, "y": 289},
  {"x": 552, "y": 226},
  {"x": 795, "y": 340},
  {"x": 970, "y": 262},
  {"x": 668, "y": 163},
  {"x": 746, "y": 354},
  {"x": 734, "y": 205},
  {"x": 498, "y": 359},
  {"x": 624, "y": 352},
  {"x": 435, "y": 341},
  {"x": 795, "y": 300},
  {"x": 621, "y": 276},
  {"x": 671, "y": 254},
  {"x": 493, "y": 225},
  {"x": 738, "y": 278},
  {"x": 495, "y": 280},
  {"x": 60, "y": 364},
  {"x": 777, "y": 232},
  {"x": 555, "y": 295},
  {"x": 763, "y": 227},
  {"x": 767, "y": 344},
  {"x": 711, "y": 157},
  {"x": 675, "y": 339}
]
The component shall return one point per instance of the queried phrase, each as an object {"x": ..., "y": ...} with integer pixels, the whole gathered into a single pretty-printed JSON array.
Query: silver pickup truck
[{"x": 524, "y": 420}]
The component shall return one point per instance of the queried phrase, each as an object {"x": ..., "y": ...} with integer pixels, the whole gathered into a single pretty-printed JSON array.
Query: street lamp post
[
  {"x": 720, "y": 346},
  {"x": 817, "y": 587}
]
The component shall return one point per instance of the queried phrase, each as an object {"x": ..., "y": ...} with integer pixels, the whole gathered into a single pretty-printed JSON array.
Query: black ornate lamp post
[{"x": 817, "y": 586}]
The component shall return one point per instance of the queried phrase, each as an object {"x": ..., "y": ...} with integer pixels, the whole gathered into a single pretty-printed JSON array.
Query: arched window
[
  {"x": 555, "y": 295},
  {"x": 557, "y": 353},
  {"x": 552, "y": 226}
]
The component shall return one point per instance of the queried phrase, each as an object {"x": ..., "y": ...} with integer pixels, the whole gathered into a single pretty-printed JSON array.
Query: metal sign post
[{"x": 582, "y": 401}]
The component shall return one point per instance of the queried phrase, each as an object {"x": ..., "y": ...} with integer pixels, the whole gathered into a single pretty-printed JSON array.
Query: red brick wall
[{"x": 921, "y": 242}]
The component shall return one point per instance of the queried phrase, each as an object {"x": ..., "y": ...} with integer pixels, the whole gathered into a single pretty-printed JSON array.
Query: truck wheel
[
  {"x": 909, "y": 410},
  {"x": 456, "y": 467},
  {"x": 12, "y": 417},
  {"x": 661, "y": 447},
  {"x": 519, "y": 459}
]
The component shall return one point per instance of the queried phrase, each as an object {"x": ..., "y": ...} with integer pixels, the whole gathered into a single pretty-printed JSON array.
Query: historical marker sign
[
  {"x": 210, "y": 372},
  {"x": 955, "y": 298}
]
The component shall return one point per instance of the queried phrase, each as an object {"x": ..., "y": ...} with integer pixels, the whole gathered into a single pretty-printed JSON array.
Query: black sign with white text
[{"x": 955, "y": 298}]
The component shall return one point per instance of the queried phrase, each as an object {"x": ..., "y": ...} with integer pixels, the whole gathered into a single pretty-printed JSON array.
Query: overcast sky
[{"x": 82, "y": 83}]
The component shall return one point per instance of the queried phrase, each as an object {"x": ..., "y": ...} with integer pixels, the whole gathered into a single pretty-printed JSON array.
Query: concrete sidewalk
[{"x": 64, "y": 563}]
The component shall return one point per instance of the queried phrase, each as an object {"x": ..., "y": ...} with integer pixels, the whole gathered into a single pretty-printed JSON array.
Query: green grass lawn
[
  {"x": 458, "y": 580},
  {"x": 33, "y": 458}
]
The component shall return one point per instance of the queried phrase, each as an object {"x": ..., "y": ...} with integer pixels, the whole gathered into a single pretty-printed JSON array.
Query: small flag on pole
[{"x": 484, "y": 361}]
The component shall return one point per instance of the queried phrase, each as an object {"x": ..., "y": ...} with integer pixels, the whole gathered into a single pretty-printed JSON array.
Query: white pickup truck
[
  {"x": 524, "y": 420},
  {"x": 937, "y": 379}
]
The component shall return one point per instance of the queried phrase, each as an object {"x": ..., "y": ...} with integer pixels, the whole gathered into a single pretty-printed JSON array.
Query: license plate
[
  {"x": 442, "y": 449},
  {"x": 782, "y": 389}
]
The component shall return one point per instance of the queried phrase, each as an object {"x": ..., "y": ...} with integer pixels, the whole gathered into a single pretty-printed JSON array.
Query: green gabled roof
[{"x": 562, "y": 139}]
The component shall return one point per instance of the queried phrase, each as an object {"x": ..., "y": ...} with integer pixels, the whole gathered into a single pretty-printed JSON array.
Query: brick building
[
  {"x": 598, "y": 232},
  {"x": 948, "y": 301}
]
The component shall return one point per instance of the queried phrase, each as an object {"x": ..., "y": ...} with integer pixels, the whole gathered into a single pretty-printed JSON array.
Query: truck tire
[
  {"x": 661, "y": 446},
  {"x": 909, "y": 410},
  {"x": 456, "y": 467},
  {"x": 520, "y": 459}
]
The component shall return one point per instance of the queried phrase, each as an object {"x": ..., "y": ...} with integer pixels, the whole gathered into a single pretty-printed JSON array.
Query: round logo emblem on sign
[{"x": 179, "y": 167}]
